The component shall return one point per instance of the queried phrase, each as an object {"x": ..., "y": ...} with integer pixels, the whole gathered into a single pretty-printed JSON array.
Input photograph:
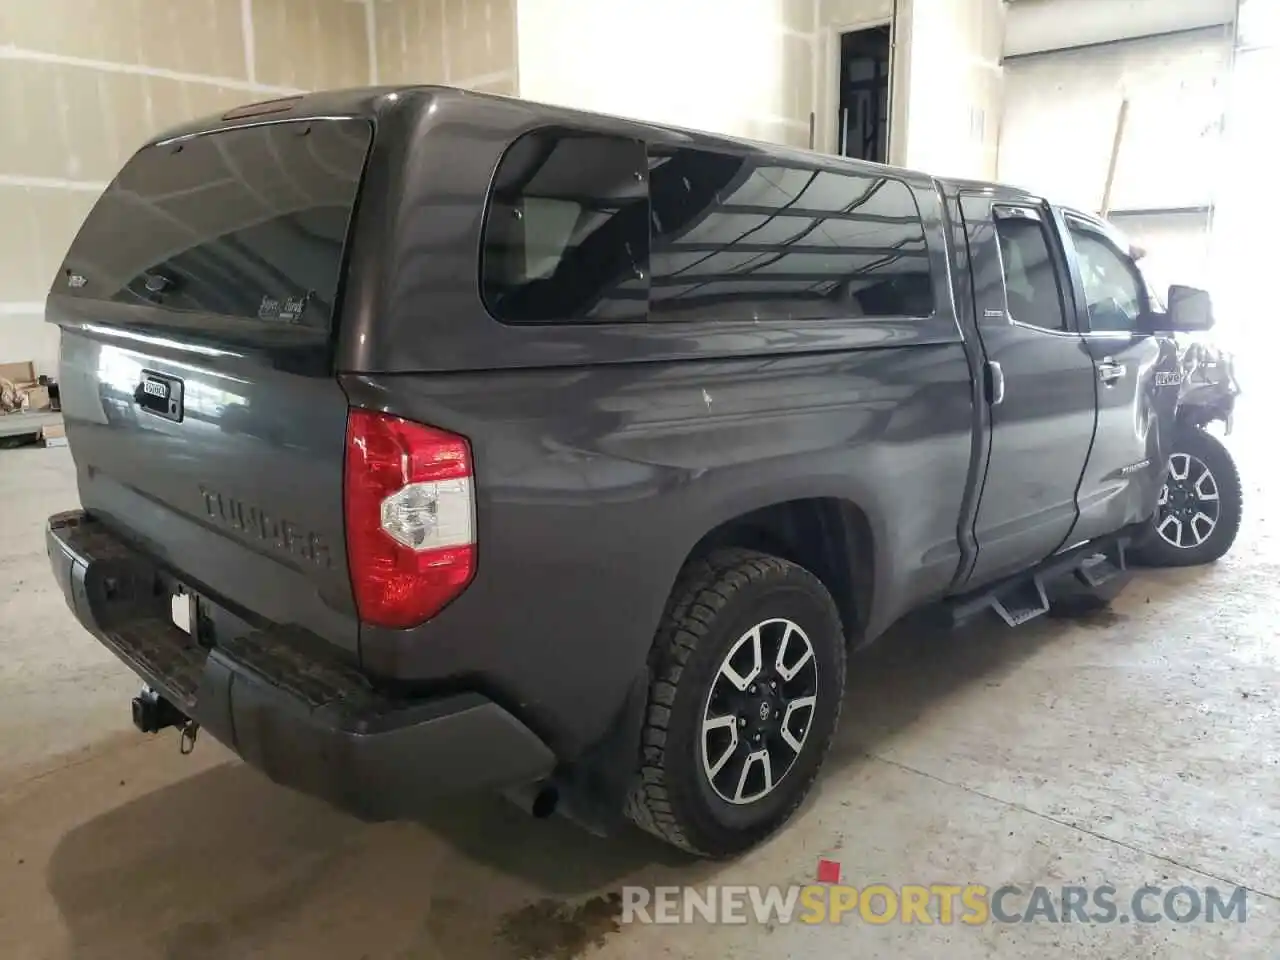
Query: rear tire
[
  {"x": 748, "y": 664},
  {"x": 1201, "y": 505}
]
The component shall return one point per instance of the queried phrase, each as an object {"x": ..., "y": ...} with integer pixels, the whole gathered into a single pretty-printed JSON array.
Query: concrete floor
[{"x": 1136, "y": 745}]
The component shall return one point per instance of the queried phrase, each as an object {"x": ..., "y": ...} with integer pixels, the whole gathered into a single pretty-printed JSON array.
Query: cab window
[
  {"x": 1114, "y": 291},
  {"x": 1032, "y": 292}
]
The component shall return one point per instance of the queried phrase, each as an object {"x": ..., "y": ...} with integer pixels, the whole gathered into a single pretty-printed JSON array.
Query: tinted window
[
  {"x": 1031, "y": 281},
  {"x": 1113, "y": 289},
  {"x": 739, "y": 238},
  {"x": 566, "y": 237},
  {"x": 244, "y": 223}
]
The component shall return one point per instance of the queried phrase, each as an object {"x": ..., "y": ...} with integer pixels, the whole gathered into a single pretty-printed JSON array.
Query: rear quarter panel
[{"x": 594, "y": 484}]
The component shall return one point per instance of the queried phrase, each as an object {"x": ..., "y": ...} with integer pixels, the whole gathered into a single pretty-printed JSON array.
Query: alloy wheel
[
  {"x": 1189, "y": 504},
  {"x": 758, "y": 711}
]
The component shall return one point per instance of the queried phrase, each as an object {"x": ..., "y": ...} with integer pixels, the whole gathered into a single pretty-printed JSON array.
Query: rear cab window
[
  {"x": 584, "y": 227},
  {"x": 246, "y": 225}
]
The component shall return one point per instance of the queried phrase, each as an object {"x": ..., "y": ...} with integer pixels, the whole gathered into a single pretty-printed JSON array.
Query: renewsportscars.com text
[{"x": 938, "y": 903}]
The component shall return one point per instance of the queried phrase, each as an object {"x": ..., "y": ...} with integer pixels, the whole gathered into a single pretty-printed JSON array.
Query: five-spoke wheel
[
  {"x": 1189, "y": 503},
  {"x": 759, "y": 710},
  {"x": 1199, "y": 508}
]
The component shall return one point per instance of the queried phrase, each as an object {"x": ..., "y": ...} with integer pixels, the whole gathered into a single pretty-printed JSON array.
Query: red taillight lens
[{"x": 410, "y": 513}]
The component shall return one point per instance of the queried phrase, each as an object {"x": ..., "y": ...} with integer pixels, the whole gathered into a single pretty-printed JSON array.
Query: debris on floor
[
  {"x": 29, "y": 407},
  {"x": 21, "y": 390},
  {"x": 54, "y": 435}
]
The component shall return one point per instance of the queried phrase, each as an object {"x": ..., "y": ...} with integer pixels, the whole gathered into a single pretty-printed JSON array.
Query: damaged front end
[{"x": 1209, "y": 386}]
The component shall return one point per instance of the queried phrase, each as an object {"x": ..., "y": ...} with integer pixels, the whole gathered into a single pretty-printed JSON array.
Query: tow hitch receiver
[{"x": 153, "y": 713}]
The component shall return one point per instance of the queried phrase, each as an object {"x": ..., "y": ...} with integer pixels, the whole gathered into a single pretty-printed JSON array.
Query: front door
[
  {"x": 1137, "y": 385},
  {"x": 1040, "y": 385}
]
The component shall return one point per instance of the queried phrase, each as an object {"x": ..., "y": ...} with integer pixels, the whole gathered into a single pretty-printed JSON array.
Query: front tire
[
  {"x": 1200, "y": 505},
  {"x": 748, "y": 673}
]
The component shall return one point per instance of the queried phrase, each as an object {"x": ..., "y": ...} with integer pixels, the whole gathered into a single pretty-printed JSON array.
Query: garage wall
[
  {"x": 956, "y": 87},
  {"x": 755, "y": 69},
  {"x": 464, "y": 43},
  {"x": 84, "y": 83},
  {"x": 728, "y": 66},
  {"x": 300, "y": 44},
  {"x": 1060, "y": 116},
  {"x": 1242, "y": 252},
  {"x": 1173, "y": 62},
  {"x": 1061, "y": 110},
  {"x": 758, "y": 69},
  {"x": 1034, "y": 26}
]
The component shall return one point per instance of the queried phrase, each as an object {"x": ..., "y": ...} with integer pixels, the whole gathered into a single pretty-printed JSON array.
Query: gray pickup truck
[{"x": 430, "y": 442}]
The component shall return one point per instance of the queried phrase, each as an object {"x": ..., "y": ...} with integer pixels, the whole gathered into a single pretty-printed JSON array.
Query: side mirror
[{"x": 1190, "y": 309}]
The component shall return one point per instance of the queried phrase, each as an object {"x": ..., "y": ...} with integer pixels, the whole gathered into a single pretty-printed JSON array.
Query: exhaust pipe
[
  {"x": 153, "y": 713},
  {"x": 539, "y": 800}
]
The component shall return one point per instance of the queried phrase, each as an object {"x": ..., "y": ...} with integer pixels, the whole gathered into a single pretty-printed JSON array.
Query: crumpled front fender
[{"x": 1209, "y": 386}]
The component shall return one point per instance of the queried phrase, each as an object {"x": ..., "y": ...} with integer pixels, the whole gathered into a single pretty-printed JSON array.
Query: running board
[
  {"x": 1024, "y": 596},
  {"x": 1020, "y": 602},
  {"x": 1103, "y": 567}
]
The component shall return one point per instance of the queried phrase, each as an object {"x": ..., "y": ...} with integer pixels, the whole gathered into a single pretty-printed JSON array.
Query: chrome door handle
[
  {"x": 995, "y": 383},
  {"x": 1109, "y": 371}
]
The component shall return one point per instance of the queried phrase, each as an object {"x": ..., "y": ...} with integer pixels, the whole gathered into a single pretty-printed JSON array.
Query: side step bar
[{"x": 1024, "y": 597}]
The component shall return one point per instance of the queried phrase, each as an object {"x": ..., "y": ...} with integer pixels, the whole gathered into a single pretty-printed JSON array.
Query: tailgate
[{"x": 198, "y": 307}]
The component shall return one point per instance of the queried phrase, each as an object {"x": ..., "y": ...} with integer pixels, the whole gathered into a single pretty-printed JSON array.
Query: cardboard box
[
  {"x": 24, "y": 372},
  {"x": 37, "y": 398},
  {"x": 54, "y": 435}
]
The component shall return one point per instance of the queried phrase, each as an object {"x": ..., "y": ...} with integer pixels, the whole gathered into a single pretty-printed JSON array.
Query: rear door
[
  {"x": 1040, "y": 385},
  {"x": 197, "y": 308},
  {"x": 1137, "y": 384}
]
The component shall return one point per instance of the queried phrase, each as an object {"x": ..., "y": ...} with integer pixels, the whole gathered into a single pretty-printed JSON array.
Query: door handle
[
  {"x": 995, "y": 383},
  {"x": 1109, "y": 371}
]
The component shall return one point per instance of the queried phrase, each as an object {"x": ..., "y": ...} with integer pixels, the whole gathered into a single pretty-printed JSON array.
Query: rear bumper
[{"x": 275, "y": 698}]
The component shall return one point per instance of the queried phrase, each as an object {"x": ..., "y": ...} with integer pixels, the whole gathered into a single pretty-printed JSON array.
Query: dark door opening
[{"x": 864, "y": 94}]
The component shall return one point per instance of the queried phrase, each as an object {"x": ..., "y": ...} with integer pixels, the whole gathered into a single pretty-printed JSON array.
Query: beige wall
[
  {"x": 728, "y": 66},
  {"x": 1171, "y": 151},
  {"x": 760, "y": 69},
  {"x": 464, "y": 43},
  {"x": 956, "y": 87},
  {"x": 84, "y": 82}
]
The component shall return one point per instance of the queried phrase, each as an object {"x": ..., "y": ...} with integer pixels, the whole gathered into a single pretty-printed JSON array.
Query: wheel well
[
  {"x": 829, "y": 537},
  {"x": 1199, "y": 416}
]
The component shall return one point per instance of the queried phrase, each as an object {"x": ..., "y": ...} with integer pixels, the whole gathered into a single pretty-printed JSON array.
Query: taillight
[{"x": 410, "y": 515}]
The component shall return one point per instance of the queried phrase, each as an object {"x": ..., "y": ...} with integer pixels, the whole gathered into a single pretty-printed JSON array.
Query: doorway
[{"x": 863, "y": 129}]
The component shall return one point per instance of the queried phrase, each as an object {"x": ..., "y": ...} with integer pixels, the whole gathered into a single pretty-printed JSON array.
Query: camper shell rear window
[{"x": 249, "y": 223}]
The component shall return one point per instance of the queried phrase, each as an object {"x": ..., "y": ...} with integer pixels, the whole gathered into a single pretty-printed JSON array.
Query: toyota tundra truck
[{"x": 432, "y": 442}]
